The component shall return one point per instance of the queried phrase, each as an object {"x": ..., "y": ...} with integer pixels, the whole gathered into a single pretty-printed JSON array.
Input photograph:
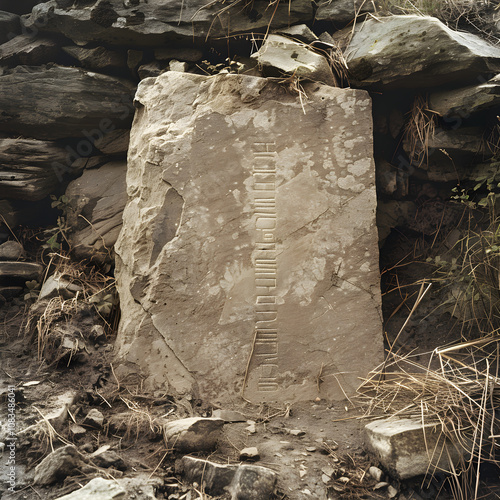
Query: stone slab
[
  {"x": 248, "y": 259},
  {"x": 407, "y": 447}
]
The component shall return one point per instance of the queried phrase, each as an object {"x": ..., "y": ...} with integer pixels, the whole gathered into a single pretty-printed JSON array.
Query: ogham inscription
[{"x": 265, "y": 347}]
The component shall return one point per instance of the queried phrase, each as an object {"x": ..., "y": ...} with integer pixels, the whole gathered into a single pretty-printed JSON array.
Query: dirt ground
[{"x": 317, "y": 448}]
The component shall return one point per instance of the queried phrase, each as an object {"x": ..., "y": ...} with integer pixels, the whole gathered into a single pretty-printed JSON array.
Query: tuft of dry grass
[
  {"x": 461, "y": 395},
  {"x": 419, "y": 131},
  {"x": 451, "y": 12}
]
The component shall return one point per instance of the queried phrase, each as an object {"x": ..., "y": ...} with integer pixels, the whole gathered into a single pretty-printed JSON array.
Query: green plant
[{"x": 56, "y": 235}]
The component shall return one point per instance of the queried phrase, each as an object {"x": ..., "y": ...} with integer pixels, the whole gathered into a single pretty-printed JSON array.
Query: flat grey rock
[
  {"x": 98, "y": 489},
  {"x": 239, "y": 241},
  {"x": 341, "y": 11},
  {"x": 57, "y": 286},
  {"x": 25, "y": 49},
  {"x": 20, "y": 270},
  {"x": 281, "y": 57},
  {"x": 459, "y": 104},
  {"x": 243, "y": 482},
  {"x": 59, "y": 464},
  {"x": 114, "y": 143},
  {"x": 416, "y": 52},
  {"x": 45, "y": 103},
  {"x": 98, "y": 58},
  {"x": 11, "y": 250},
  {"x": 97, "y": 199},
  {"x": 30, "y": 169},
  {"x": 193, "y": 434},
  {"x": 153, "y": 23},
  {"x": 407, "y": 448}
]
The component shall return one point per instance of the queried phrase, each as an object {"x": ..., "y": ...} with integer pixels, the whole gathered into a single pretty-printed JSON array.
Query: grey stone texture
[
  {"x": 97, "y": 200},
  {"x": 248, "y": 259},
  {"x": 153, "y": 23},
  {"x": 46, "y": 103},
  {"x": 407, "y": 447},
  {"x": 416, "y": 52}
]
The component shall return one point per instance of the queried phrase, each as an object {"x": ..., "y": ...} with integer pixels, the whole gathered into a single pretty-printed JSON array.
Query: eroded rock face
[
  {"x": 152, "y": 23},
  {"x": 248, "y": 257},
  {"x": 46, "y": 102},
  {"x": 417, "y": 51},
  {"x": 97, "y": 200}
]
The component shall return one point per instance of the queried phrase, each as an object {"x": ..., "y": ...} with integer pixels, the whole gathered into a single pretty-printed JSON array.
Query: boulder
[
  {"x": 59, "y": 464},
  {"x": 226, "y": 249},
  {"x": 156, "y": 22},
  {"x": 29, "y": 168},
  {"x": 193, "y": 434},
  {"x": 243, "y": 482},
  {"x": 10, "y": 26},
  {"x": 97, "y": 200},
  {"x": 11, "y": 250},
  {"x": 458, "y": 104},
  {"x": 98, "y": 58},
  {"x": 342, "y": 11},
  {"x": 406, "y": 447},
  {"x": 281, "y": 57},
  {"x": 416, "y": 52},
  {"x": 98, "y": 488},
  {"x": 25, "y": 49},
  {"x": 46, "y": 103}
]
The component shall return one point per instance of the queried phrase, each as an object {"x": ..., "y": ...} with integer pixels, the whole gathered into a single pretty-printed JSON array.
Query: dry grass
[
  {"x": 461, "y": 395},
  {"x": 419, "y": 131},
  {"x": 451, "y": 12},
  {"x": 48, "y": 319}
]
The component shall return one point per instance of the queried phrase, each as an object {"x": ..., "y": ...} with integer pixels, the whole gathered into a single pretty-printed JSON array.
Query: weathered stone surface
[
  {"x": 193, "y": 434},
  {"x": 20, "y": 270},
  {"x": 11, "y": 250},
  {"x": 98, "y": 488},
  {"x": 460, "y": 103},
  {"x": 408, "y": 448},
  {"x": 156, "y": 22},
  {"x": 97, "y": 199},
  {"x": 279, "y": 56},
  {"x": 10, "y": 26},
  {"x": 63, "y": 462},
  {"x": 114, "y": 142},
  {"x": 94, "y": 419},
  {"x": 299, "y": 32},
  {"x": 25, "y": 49},
  {"x": 26, "y": 168},
  {"x": 416, "y": 51},
  {"x": 341, "y": 11},
  {"x": 239, "y": 242},
  {"x": 56, "y": 285},
  {"x": 98, "y": 58},
  {"x": 46, "y": 103},
  {"x": 150, "y": 70},
  {"x": 244, "y": 482}
]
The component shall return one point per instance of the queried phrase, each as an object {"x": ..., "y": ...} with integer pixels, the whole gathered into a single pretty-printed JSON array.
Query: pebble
[
  {"x": 251, "y": 428},
  {"x": 251, "y": 453},
  {"x": 94, "y": 419},
  {"x": 392, "y": 492},
  {"x": 296, "y": 432},
  {"x": 376, "y": 473},
  {"x": 325, "y": 478},
  {"x": 311, "y": 449}
]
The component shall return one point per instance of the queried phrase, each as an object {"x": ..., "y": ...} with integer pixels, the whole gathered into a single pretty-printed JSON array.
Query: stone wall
[{"x": 216, "y": 79}]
